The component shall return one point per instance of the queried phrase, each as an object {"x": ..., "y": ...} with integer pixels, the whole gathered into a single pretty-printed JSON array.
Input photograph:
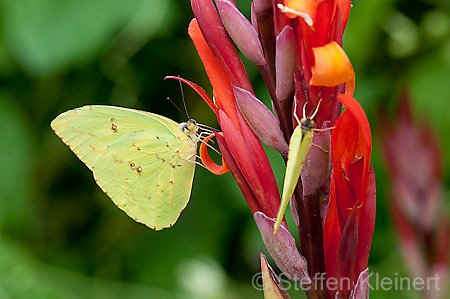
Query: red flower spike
[
  {"x": 320, "y": 70},
  {"x": 208, "y": 162},
  {"x": 416, "y": 197}
]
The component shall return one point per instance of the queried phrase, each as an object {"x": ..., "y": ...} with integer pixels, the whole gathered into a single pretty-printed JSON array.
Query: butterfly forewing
[{"x": 141, "y": 160}]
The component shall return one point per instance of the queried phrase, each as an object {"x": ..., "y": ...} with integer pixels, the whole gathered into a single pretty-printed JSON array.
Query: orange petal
[
  {"x": 223, "y": 92},
  {"x": 208, "y": 162},
  {"x": 332, "y": 66}
]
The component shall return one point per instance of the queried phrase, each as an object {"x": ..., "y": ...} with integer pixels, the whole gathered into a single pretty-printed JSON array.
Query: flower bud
[
  {"x": 285, "y": 62},
  {"x": 261, "y": 120},
  {"x": 241, "y": 31},
  {"x": 283, "y": 250}
]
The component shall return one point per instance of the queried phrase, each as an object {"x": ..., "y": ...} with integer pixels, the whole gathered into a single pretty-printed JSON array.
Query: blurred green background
[{"x": 61, "y": 237}]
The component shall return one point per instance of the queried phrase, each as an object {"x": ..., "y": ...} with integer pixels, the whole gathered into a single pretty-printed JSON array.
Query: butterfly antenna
[
  {"x": 178, "y": 108},
  {"x": 182, "y": 97}
]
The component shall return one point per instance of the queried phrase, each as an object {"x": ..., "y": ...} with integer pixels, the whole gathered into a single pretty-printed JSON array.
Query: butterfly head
[
  {"x": 188, "y": 127},
  {"x": 191, "y": 125}
]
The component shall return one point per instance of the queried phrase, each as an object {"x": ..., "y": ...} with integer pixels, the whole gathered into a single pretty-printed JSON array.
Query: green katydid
[{"x": 299, "y": 145}]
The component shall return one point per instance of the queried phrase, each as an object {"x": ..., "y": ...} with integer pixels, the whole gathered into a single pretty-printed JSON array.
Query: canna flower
[
  {"x": 350, "y": 217},
  {"x": 416, "y": 196},
  {"x": 297, "y": 47}
]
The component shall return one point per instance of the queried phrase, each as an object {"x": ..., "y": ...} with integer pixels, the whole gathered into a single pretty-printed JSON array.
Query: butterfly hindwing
[
  {"x": 141, "y": 160},
  {"x": 155, "y": 182}
]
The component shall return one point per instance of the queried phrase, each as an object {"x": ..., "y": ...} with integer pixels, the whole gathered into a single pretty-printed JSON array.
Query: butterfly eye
[{"x": 191, "y": 125}]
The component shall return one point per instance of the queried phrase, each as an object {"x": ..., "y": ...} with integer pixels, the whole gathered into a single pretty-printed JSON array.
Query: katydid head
[{"x": 308, "y": 123}]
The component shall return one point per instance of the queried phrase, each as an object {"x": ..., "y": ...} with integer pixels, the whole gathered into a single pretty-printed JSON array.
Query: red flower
[{"x": 350, "y": 219}]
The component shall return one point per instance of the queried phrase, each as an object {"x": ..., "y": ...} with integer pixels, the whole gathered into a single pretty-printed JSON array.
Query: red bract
[
  {"x": 350, "y": 219},
  {"x": 241, "y": 149}
]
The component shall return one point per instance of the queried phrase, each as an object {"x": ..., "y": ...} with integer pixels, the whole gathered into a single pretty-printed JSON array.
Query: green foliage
[{"x": 47, "y": 36}]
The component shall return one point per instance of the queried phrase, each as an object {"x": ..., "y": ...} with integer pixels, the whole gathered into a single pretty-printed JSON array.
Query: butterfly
[{"x": 143, "y": 161}]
